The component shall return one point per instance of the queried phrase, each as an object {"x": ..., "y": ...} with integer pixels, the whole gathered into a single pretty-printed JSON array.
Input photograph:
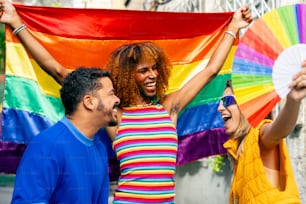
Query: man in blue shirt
[{"x": 66, "y": 163}]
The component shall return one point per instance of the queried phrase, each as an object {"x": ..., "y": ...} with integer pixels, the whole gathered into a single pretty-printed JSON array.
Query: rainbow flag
[{"x": 86, "y": 37}]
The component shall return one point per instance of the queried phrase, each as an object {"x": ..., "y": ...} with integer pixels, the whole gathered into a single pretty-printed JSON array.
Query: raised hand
[
  {"x": 241, "y": 18},
  {"x": 298, "y": 84},
  {"x": 8, "y": 14}
]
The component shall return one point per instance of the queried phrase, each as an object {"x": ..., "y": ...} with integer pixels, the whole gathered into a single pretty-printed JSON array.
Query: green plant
[
  {"x": 217, "y": 163},
  {"x": 56, "y": 4}
]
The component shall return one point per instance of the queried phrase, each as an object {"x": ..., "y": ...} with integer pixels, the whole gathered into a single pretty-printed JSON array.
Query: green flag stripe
[{"x": 24, "y": 94}]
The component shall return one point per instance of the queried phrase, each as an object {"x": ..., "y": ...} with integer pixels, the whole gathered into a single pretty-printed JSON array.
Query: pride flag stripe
[
  {"x": 120, "y": 25},
  {"x": 20, "y": 126},
  {"x": 27, "y": 90}
]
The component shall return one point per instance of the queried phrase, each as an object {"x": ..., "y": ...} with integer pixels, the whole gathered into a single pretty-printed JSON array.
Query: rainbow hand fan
[{"x": 274, "y": 45}]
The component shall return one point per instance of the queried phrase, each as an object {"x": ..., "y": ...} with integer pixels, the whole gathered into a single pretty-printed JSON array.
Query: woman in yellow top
[{"x": 262, "y": 168}]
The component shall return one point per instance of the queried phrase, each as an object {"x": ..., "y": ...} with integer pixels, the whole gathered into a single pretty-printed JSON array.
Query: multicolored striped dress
[{"x": 146, "y": 146}]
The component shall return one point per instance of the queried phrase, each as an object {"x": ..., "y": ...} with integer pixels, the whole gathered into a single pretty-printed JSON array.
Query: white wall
[{"x": 197, "y": 183}]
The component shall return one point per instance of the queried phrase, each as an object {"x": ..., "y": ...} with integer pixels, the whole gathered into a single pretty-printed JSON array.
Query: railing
[
  {"x": 174, "y": 5},
  {"x": 258, "y": 7}
]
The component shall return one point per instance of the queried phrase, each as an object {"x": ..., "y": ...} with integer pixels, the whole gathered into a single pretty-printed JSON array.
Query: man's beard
[{"x": 113, "y": 121}]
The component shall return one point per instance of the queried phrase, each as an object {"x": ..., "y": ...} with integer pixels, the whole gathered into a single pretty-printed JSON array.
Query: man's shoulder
[
  {"x": 49, "y": 136},
  {"x": 52, "y": 132}
]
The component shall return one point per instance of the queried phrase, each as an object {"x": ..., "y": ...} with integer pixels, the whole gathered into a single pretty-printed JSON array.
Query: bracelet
[
  {"x": 20, "y": 28},
  {"x": 231, "y": 33}
]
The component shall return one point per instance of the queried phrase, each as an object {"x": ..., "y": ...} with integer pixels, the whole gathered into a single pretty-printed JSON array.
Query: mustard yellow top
[{"x": 250, "y": 184}]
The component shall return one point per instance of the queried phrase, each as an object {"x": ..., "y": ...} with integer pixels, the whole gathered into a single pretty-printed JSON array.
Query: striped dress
[{"x": 146, "y": 146}]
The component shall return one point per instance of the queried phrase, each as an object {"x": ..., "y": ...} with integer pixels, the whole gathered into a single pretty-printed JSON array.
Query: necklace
[{"x": 142, "y": 105}]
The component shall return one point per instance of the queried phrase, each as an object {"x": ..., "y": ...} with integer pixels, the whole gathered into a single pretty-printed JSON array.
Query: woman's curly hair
[{"x": 122, "y": 65}]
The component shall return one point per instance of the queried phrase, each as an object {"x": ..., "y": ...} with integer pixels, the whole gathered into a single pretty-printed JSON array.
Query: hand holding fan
[
  {"x": 287, "y": 64},
  {"x": 272, "y": 47}
]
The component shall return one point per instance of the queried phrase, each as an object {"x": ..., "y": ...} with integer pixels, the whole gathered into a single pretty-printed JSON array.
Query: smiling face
[
  {"x": 146, "y": 74},
  {"x": 231, "y": 114},
  {"x": 140, "y": 73},
  {"x": 107, "y": 102}
]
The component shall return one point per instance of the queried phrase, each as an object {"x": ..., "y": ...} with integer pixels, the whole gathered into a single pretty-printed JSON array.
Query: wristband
[
  {"x": 231, "y": 33},
  {"x": 20, "y": 28}
]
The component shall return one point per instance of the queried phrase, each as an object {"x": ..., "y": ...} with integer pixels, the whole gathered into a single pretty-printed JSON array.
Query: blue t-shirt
[{"x": 61, "y": 165}]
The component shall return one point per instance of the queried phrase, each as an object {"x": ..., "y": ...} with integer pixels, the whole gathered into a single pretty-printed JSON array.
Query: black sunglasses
[{"x": 228, "y": 100}]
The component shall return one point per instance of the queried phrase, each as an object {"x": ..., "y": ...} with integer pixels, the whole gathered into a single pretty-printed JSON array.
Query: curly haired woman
[{"x": 145, "y": 139}]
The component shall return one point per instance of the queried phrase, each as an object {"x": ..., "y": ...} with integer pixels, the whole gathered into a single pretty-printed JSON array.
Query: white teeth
[
  {"x": 115, "y": 110},
  {"x": 151, "y": 84}
]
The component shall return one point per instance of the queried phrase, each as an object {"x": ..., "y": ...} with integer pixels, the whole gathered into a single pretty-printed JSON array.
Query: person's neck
[
  {"x": 142, "y": 102},
  {"x": 84, "y": 126}
]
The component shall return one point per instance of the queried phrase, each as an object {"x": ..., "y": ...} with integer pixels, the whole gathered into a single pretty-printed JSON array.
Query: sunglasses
[{"x": 228, "y": 100}]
